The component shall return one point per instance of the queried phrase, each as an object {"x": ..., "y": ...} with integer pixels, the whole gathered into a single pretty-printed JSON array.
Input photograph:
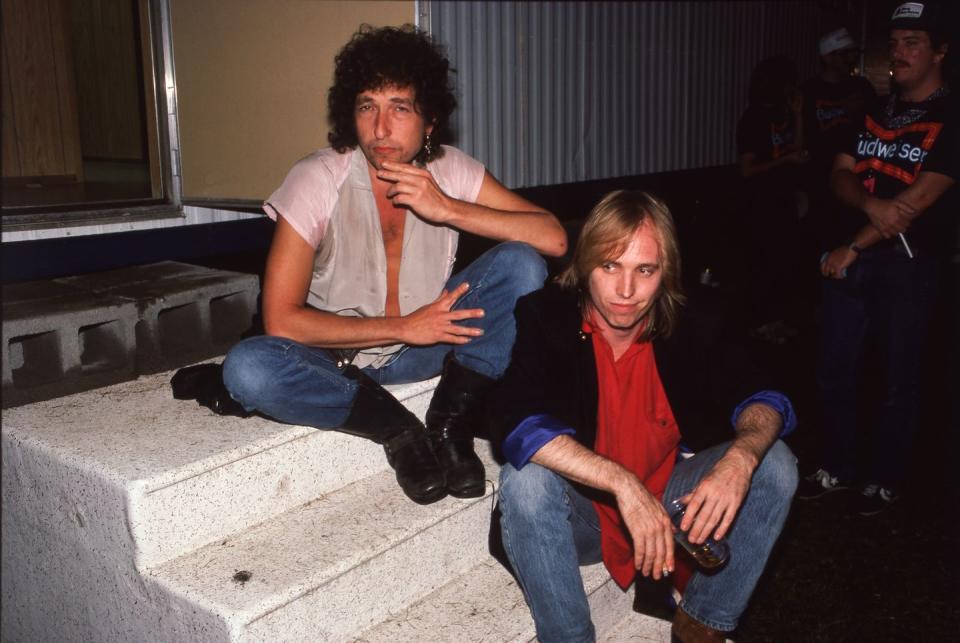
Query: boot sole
[
  {"x": 470, "y": 492},
  {"x": 428, "y": 499}
]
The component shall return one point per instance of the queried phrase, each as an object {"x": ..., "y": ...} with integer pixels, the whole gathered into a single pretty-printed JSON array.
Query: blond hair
[{"x": 605, "y": 236}]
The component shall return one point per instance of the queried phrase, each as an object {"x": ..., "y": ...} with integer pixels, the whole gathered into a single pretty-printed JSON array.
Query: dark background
[{"x": 834, "y": 576}]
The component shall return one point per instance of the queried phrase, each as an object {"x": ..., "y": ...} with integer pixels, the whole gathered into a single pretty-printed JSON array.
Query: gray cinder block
[
  {"x": 58, "y": 340},
  {"x": 77, "y": 333},
  {"x": 186, "y": 313}
]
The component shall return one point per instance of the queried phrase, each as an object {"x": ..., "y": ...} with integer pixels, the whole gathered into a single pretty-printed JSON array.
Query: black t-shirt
[
  {"x": 767, "y": 133},
  {"x": 889, "y": 159},
  {"x": 830, "y": 111}
]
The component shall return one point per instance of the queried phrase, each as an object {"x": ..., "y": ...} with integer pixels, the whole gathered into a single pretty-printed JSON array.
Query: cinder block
[
  {"x": 59, "y": 340},
  {"x": 186, "y": 313},
  {"x": 77, "y": 333}
]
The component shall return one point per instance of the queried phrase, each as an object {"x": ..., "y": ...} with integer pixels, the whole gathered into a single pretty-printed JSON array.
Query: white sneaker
[
  {"x": 875, "y": 499},
  {"x": 819, "y": 484}
]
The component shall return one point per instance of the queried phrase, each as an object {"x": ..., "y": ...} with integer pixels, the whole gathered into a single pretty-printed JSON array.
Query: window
[{"x": 87, "y": 131}]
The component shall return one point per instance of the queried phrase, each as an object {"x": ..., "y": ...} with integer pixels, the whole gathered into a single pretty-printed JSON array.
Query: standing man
[
  {"x": 834, "y": 103},
  {"x": 358, "y": 289},
  {"x": 898, "y": 177},
  {"x": 608, "y": 378},
  {"x": 771, "y": 156}
]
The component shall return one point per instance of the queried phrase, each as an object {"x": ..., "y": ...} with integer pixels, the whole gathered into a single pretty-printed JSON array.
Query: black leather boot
[
  {"x": 453, "y": 419},
  {"x": 378, "y": 416}
]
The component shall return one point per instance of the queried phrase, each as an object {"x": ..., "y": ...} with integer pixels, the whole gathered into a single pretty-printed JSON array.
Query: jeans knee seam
[
  {"x": 337, "y": 379},
  {"x": 475, "y": 289},
  {"x": 481, "y": 282},
  {"x": 505, "y": 532}
]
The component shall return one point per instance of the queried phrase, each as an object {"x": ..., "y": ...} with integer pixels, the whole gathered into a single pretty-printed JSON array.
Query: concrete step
[
  {"x": 102, "y": 487},
  {"x": 637, "y": 627},
  {"x": 485, "y": 605},
  {"x": 184, "y": 476},
  {"x": 128, "y": 515},
  {"x": 333, "y": 567}
]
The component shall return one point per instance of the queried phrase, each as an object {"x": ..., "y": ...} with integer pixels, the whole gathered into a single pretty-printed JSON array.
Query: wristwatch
[{"x": 853, "y": 246}]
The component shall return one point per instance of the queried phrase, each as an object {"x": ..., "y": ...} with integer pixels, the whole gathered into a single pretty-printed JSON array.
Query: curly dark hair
[{"x": 378, "y": 57}]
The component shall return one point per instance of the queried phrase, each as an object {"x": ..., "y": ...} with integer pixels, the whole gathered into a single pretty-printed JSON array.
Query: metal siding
[{"x": 556, "y": 92}]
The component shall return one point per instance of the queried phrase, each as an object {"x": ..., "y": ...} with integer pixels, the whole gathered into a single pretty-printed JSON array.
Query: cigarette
[{"x": 906, "y": 246}]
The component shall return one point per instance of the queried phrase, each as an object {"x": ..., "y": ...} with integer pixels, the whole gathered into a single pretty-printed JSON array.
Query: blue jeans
[
  {"x": 889, "y": 296},
  {"x": 549, "y": 529},
  {"x": 300, "y": 384}
]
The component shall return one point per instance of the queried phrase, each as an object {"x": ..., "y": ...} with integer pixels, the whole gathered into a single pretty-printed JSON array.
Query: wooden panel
[
  {"x": 11, "y": 155},
  {"x": 108, "y": 92},
  {"x": 66, "y": 90},
  {"x": 40, "y": 84},
  {"x": 252, "y": 79}
]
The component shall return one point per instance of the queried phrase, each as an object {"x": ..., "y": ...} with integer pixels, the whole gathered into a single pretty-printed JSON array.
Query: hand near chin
[{"x": 415, "y": 188}]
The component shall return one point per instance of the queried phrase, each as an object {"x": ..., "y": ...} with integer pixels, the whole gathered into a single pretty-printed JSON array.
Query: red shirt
[{"x": 635, "y": 428}]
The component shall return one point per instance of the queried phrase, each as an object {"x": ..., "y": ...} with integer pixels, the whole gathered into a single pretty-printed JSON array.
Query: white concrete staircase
[{"x": 130, "y": 516}]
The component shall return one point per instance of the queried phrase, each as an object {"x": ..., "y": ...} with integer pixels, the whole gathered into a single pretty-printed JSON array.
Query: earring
[{"x": 427, "y": 147}]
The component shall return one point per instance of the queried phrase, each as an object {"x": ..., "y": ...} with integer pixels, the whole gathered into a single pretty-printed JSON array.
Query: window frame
[{"x": 169, "y": 205}]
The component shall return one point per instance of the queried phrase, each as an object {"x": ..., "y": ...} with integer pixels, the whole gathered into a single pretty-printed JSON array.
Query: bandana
[{"x": 913, "y": 113}]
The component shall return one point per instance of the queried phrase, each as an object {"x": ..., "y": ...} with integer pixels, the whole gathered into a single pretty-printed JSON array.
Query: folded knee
[
  {"x": 247, "y": 374},
  {"x": 778, "y": 472},
  {"x": 526, "y": 268},
  {"x": 530, "y": 491}
]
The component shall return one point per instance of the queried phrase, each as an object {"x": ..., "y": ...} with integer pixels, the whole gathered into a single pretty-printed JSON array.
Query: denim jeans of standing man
[
  {"x": 550, "y": 529},
  {"x": 298, "y": 384},
  {"x": 888, "y": 296}
]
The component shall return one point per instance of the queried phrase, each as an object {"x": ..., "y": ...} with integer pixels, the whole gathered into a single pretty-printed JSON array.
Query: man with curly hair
[{"x": 358, "y": 290}]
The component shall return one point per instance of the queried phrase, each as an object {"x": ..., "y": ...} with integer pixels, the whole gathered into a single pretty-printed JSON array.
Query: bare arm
[
  {"x": 642, "y": 513},
  {"x": 901, "y": 211},
  {"x": 925, "y": 191},
  {"x": 714, "y": 503},
  {"x": 285, "y": 314},
  {"x": 498, "y": 214},
  {"x": 839, "y": 259},
  {"x": 889, "y": 216}
]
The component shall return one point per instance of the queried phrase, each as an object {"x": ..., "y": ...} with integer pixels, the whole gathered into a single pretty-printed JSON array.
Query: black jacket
[{"x": 553, "y": 372}]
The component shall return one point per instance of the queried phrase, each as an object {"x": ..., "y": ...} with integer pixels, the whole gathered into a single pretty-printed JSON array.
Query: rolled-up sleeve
[
  {"x": 776, "y": 400},
  {"x": 531, "y": 434}
]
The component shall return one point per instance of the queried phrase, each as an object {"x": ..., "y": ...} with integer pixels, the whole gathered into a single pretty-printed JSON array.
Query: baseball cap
[
  {"x": 837, "y": 40},
  {"x": 918, "y": 16}
]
